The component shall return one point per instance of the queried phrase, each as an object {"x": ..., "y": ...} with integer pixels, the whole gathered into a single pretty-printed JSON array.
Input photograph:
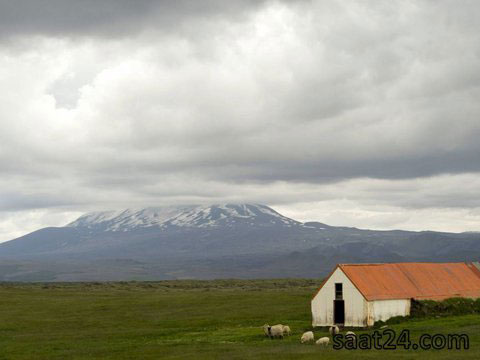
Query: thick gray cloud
[
  {"x": 362, "y": 111},
  {"x": 112, "y": 18}
]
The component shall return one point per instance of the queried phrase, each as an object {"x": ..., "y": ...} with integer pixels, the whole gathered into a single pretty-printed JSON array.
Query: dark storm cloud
[
  {"x": 110, "y": 18},
  {"x": 17, "y": 201}
]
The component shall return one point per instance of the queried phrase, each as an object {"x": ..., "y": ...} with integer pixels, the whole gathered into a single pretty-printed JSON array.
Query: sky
[{"x": 354, "y": 113}]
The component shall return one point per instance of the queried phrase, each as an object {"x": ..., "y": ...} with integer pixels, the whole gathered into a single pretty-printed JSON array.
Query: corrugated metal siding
[{"x": 434, "y": 281}]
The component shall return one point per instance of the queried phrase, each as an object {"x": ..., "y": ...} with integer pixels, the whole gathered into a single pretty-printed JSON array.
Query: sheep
[
  {"x": 323, "y": 341},
  {"x": 334, "y": 330},
  {"x": 266, "y": 329},
  {"x": 351, "y": 336},
  {"x": 307, "y": 337},
  {"x": 286, "y": 330},
  {"x": 276, "y": 331}
]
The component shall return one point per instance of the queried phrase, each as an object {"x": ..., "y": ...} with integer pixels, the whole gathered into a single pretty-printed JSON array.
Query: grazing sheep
[
  {"x": 266, "y": 329},
  {"x": 307, "y": 337},
  {"x": 334, "y": 330},
  {"x": 276, "y": 331},
  {"x": 323, "y": 341},
  {"x": 286, "y": 330},
  {"x": 350, "y": 336}
]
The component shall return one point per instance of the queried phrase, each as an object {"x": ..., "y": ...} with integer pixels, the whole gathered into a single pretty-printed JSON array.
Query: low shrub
[
  {"x": 452, "y": 306},
  {"x": 392, "y": 321},
  {"x": 430, "y": 309}
]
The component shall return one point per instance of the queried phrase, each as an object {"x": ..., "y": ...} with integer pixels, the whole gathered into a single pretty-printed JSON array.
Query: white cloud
[{"x": 15, "y": 224}]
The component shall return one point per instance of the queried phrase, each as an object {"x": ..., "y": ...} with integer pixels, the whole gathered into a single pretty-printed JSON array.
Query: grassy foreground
[{"x": 184, "y": 319}]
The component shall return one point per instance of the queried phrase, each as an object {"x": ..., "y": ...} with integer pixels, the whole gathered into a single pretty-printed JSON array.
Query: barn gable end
[{"x": 354, "y": 302}]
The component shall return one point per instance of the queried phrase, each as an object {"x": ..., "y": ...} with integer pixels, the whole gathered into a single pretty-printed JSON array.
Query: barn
[{"x": 357, "y": 295}]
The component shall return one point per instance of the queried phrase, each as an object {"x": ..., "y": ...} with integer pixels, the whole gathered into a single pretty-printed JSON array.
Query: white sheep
[
  {"x": 286, "y": 330},
  {"x": 350, "y": 335},
  {"x": 323, "y": 341},
  {"x": 276, "y": 331},
  {"x": 334, "y": 330},
  {"x": 266, "y": 328},
  {"x": 307, "y": 337}
]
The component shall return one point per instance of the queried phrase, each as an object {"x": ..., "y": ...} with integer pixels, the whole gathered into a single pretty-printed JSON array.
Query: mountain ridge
[
  {"x": 180, "y": 216},
  {"x": 207, "y": 241}
]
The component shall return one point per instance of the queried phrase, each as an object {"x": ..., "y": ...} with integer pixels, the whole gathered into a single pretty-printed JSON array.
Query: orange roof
[{"x": 435, "y": 281}]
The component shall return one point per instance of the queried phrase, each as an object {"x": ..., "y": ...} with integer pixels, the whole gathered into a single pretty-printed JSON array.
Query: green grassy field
[{"x": 184, "y": 319}]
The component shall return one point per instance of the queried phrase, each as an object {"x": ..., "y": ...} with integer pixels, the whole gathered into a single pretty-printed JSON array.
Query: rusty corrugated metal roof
[{"x": 433, "y": 281}]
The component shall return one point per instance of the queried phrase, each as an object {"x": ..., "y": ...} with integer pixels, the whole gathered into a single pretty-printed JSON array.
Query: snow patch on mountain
[{"x": 198, "y": 216}]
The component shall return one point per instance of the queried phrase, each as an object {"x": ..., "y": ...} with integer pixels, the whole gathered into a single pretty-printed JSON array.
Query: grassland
[{"x": 184, "y": 319}]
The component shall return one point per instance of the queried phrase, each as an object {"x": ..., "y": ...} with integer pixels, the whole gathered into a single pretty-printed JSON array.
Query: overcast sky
[{"x": 358, "y": 113}]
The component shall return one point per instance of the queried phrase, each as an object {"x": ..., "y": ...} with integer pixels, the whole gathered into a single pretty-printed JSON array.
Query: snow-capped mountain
[
  {"x": 216, "y": 241},
  {"x": 163, "y": 234},
  {"x": 213, "y": 216}
]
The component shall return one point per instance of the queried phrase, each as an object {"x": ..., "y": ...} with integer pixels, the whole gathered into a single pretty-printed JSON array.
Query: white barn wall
[
  {"x": 356, "y": 307},
  {"x": 385, "y": 309}
]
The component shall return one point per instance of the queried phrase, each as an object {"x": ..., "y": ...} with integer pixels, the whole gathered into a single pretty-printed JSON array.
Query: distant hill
[{"x": 217, "y": 241}]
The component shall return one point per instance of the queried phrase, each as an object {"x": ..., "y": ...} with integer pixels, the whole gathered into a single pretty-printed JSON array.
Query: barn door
[
  {"x": 339, "y": 312},
  {"x": 339, "y": 305}
]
